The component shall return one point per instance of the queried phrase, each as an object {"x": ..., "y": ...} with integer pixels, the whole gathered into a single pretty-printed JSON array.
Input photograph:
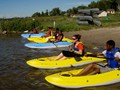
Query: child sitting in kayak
[
  {"x": 50, "y": 32},
  {"x": 112, "y": 55},
  {"x": 77, "y": 51},
  {"x": 58, "y": 36}
]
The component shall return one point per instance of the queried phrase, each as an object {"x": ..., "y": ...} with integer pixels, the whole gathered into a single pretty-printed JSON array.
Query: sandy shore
[{"x": 97, "y": 37}]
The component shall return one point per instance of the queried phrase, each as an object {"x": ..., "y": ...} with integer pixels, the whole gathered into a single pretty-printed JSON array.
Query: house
[
  {"x": 75, "y": 15},
  {"x": 111, "y": 11},
  {"x": 103, "y": 14}
]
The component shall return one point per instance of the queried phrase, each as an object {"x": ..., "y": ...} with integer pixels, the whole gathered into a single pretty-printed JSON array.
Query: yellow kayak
[
  {"x": 65, "y": 80},
  {"x": 45, "y": 63},
  {"x": 44, "y": 40}
]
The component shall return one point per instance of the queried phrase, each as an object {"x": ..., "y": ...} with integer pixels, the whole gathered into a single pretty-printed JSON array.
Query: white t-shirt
[{"x": 117, "y": 54}]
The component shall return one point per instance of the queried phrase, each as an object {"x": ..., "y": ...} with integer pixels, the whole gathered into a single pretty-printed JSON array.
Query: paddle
[
  {"x": 30, "y": 35},
  {"x": 101, "y": 65},
  {"x": 55, "y": 45}
]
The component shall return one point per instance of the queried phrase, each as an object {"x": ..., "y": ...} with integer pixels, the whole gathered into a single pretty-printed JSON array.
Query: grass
[
  {"x": 69, "y": 24},
  {"x": 64, "y": 23}
]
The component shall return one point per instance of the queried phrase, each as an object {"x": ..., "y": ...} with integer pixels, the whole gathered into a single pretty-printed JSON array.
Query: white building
[{"x": 103, "y": 14}]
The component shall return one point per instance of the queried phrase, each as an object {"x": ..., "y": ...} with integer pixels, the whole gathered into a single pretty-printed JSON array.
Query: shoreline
[
  {"x": 92, "y": 38},
  {"x": 97, "y": 37}
]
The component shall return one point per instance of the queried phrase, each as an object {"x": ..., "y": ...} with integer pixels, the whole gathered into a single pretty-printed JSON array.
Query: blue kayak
[
  {"x": 33, "y": 35},
  {"x": 48, "y": 45}
]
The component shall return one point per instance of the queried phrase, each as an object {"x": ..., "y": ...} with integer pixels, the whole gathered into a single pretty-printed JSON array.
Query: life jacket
[
  {"x": 56, "y": 35},
  {"x": 59, "y": 37},
  {"x": 76, "y": 49},
  {"x": 111, "y": 58}
]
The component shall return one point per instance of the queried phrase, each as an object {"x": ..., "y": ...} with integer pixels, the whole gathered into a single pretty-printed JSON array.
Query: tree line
[
  {"x": 36, "y": 20},
  {"x": 101, "y": 4}
]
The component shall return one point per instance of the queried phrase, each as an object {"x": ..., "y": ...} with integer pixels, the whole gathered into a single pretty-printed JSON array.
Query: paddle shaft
[
  {"x": 56, "y": 46},
  {"x": 30, "y": 35},
  {"x": 101, "y": 65}
]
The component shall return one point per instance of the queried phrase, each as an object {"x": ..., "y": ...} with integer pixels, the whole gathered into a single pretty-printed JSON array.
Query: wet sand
[{"x": 97, "y": 37}]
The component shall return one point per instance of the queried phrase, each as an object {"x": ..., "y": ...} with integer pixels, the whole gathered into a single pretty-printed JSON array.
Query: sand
[{"x": 97, "y": 37}]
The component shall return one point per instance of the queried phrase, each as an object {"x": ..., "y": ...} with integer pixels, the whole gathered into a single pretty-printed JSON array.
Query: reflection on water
[{"x": 15, "y": 74}]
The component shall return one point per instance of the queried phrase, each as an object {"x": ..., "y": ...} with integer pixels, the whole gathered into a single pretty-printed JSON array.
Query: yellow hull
[
  {"x": 64, "y": 79},
  {"x": 44, "y": 40},
  {"x": 45, "y": 63}
]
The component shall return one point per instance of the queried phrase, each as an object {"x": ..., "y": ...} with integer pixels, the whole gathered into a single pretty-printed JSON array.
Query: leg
[
  {"x": 59, "y": 56},
  {"x": 86, "y": 70},
  {"x": 63, "y": 58},
  {"x": 96, "y": 70}
]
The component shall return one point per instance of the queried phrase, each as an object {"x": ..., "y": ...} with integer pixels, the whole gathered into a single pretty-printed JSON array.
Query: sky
[{"x": 24, "y": 8}]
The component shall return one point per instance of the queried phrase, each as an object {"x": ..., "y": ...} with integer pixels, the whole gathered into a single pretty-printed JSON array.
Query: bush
[{"x": 64, "y": 23}]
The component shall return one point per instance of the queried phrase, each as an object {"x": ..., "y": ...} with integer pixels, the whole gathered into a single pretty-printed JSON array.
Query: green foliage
[
  {"x": 104, "y": 4},
  {"x": 64, "y": 23},
  {"x": 44, "y": 20},
  {"x": 19, "y": 24},
  {"x": 37, "y": 14},
  {"x": 55, "y": 12}
]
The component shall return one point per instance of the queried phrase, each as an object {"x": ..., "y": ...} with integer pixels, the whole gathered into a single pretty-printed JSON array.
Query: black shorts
[{"x": 70, "y": 54}]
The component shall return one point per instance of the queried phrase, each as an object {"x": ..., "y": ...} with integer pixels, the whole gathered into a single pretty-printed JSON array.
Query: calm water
[{"x": 15, "y": 74}]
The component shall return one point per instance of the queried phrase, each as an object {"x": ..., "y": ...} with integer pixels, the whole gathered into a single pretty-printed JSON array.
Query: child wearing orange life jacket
[{"x": 58, "y": 35}]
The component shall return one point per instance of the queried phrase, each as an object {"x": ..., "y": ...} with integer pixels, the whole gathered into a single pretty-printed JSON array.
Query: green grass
[
  {"x": 64, "y": 23},
  {"x": 69, "y": 24}
]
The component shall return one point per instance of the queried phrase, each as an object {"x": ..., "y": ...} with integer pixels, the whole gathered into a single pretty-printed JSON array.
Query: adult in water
[
  {"x": 112, "y": 55},
  {"x": 76, "y": 51}
]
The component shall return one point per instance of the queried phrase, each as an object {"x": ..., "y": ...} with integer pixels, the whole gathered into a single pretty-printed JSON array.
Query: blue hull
[
  {"x": 48, "y": 45},
  {"x": 33, "y": 35}
]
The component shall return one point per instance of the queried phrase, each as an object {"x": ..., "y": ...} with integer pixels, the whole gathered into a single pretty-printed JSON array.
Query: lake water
[{"x": 15, "y": 74}]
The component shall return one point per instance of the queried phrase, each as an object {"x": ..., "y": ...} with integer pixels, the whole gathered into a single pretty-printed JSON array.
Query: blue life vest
[{"x": 111, "y": 58}]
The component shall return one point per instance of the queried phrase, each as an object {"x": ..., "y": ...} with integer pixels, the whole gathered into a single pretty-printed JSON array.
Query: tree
[
  {"x": 47, "y": 13},
  {"x": 63, "y": 13},
  {"x": 37, "y": 14},
  {"x": 93, "y": 4},
  {"x": 105, "y": 4},
  {"x": 43, "y": 14},
  {"x": 74, "y": 10},
  {"x": 82, "y": 7},
  {"x": 55, "y": 12},
  {"x": 69, "y": 12},
  {"x": 114, "y": 5}
]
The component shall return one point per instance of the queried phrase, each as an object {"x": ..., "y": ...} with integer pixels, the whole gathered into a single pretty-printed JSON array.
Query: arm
[
  {"x": 94, "y": 55},
  {"x": 79, "y": 52},
  {"x": 117, "y": 56},
  {"x": 117, "y": 59}
]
